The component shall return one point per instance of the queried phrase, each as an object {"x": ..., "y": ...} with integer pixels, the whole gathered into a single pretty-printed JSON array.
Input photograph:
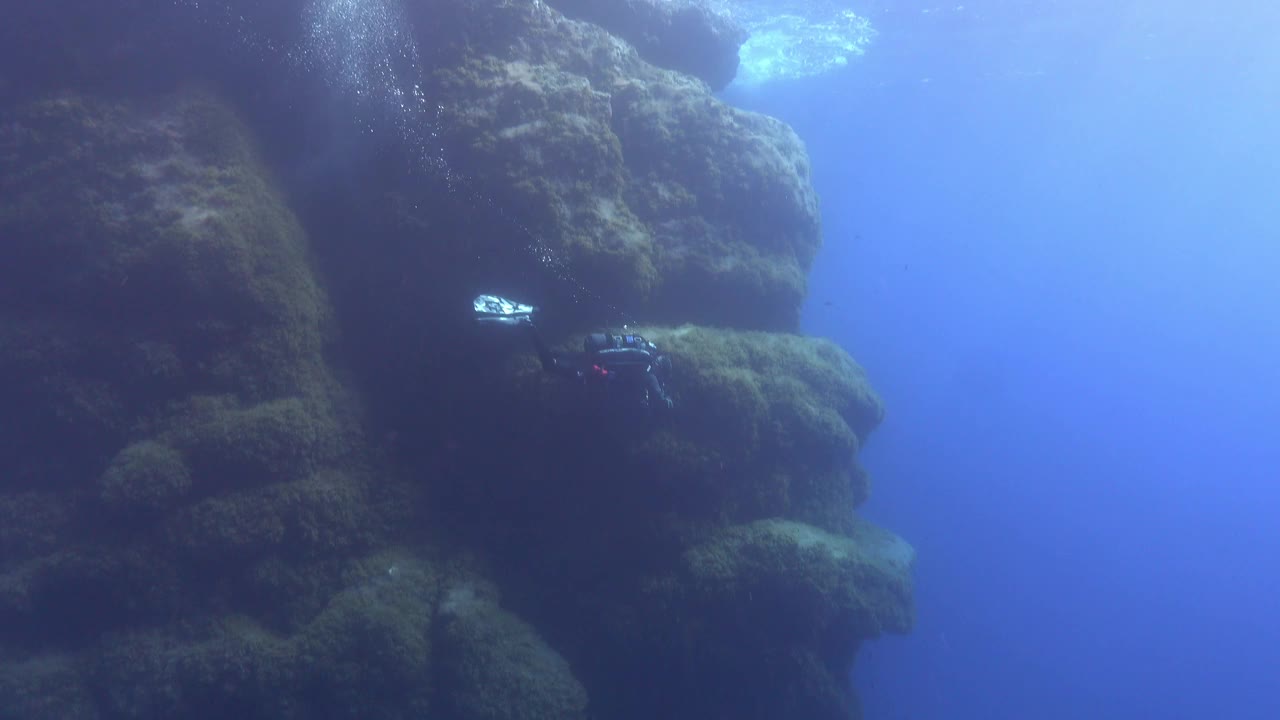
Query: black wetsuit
[{"x": 637, "y": 371}]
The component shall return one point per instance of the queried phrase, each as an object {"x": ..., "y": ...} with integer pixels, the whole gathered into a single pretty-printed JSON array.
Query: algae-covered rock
[
  {"x": 33, "y": 523},
  {"x": 231, "y": 445},
  {"x": 324, "y": 513},
  {"x": 369, "y": 652},
  {"x": 66, "y": 597},
  {"x": 145, "y": 477},
  {"x": 820, "y": 585},
  {"x": 636, "y": 182},
  {"x": 764, "y": 425},
  {"x": 365, "y": 654},
  {"x": 174, "y": 422},
  {"x": 182, "y": 459},
  {"x": 684, "y": 35},
  {"x": 760, "y": 620},
  {"x": 147, "y": 256},
  {"x": 494, "y": 666},
  {"x": 232, "y": 666},
  {"x": 50, "y": 686},
  {"x": 702, "y": 561},
  {"x": 770, "y": 423},
  {"x": 707, "y": 556}
]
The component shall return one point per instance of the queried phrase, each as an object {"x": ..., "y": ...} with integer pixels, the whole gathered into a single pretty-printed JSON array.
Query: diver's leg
[
  {"x": 656, "y": 392},
  {"x": 564, "y": 364}
]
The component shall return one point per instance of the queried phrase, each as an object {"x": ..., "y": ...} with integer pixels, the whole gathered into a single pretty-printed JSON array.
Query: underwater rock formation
[
  {"x": 648, "y": 548},
  {"x": 771, "y": 424},
  {"x": 253, "y": 464},
  {"x": 493, "y": 666},
  {"x": 685, "y": 35},
  {"x": 161, "y": 338},
  {"x": 662, "y": 198},
  {"x": 176, "y": 446},
  {"x": 657, "y": 194},
  {"x": 768, "y": 425},
  {"x": 760, "y": 620}
]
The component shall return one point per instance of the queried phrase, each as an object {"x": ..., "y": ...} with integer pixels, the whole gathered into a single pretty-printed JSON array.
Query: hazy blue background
[{"x": 1053, "y": 238}]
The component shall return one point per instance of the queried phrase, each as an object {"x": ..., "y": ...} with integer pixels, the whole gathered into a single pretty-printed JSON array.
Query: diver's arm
[
  {"x": 544, "y": 353},
  {"x": 562, "y": 365}
]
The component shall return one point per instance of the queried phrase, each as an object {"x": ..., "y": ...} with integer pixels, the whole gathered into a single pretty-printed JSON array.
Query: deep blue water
[{"x": 1053, "y": 239}]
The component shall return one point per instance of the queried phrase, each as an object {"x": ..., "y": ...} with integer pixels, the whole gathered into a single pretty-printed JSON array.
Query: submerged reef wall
[
  {"x": 657, "y": 194},
  {"x": 255, "y": 459},
  {"x": 180, "y": 465},
  {"x": 685, "y": 35}
]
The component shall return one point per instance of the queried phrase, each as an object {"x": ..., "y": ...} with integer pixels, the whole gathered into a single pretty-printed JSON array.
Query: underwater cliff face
[
  {"x": 657, "y": 194},
  {"x": 685, "y": 35},
  {"x": 254, "y": 461},
  {"x": 173, "y": 434}
]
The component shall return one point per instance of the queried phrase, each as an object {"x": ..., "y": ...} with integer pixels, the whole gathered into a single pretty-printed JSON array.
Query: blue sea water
[{"x": 1052, "y": 237}]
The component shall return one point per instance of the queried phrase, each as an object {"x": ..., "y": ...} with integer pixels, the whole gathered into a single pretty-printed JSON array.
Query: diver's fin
[{"x": 491, "y": 309}]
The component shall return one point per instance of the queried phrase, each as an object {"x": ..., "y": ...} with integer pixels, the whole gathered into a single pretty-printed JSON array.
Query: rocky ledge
[{"x": 684, "y": 35}]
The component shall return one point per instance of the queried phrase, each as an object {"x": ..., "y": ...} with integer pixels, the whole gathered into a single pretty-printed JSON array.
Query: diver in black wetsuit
[
  {"x": 626, "y": 363},
  {"x": 628, "y": 366}
]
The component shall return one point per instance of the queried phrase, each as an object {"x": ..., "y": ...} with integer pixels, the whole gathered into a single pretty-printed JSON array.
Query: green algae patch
[
  {"x": 324, "y": 513},
  {"x": 230, "y": 445},
  {"x": 42, "y": 598},
  {"x": 726, "y": 570},
  {"x": 156, "y": 222},
  {"x": 147, "y": 257},
  {"x": 189, "y": 465},
  {"x": 33, "y": 523},
  {"x": 164, "y": 338},
  {"x": 369, "y": 651},
  {"x": 764, "y": 425},
  {"x": 231, "y": 666},
  {"x": 49, "y": 686},
  {"x": 857, "y": 586},
  {"x": 754, "y": 231},
  {"x": 494, "y": 666},
  {"x": 759, "y": 620},
  {"x": 145, "y": 477},
  {"x": 779, "y": 418},
  {"x": 541, "y": 135},
  {"x": 653, "y": 193}
]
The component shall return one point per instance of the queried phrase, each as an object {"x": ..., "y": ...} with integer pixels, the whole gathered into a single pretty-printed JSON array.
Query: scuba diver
[{"x": 625, "y": 364}]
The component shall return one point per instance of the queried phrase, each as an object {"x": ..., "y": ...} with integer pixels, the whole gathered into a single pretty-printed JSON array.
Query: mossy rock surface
[
  {"x": 635, "y": 182},
  {"x": 857, "y": 585},
  {"x": 760, "y": 620},
  {"x": 366, "y": 653},
  {"x": 494, "y": 666},
  {"x": 163, "y": 335},
  {"x": 145, "y": 477},
  {"x": 684, "y": 35},
  {"x": 48, "y": 687},
  {"x": 44, "y": 598},
  {"x": 709, "y": 555},
  {"x": 370, "y": 651},
  {"x": 764, "y": 425},
  {"x": 231, "y": 445},
  {"x": 185, "y": 461},
  {"x": 230, "y": 665},
  {"x": 33, "y": 523},
  {"x": 328, "y": 512},
  {"x": 147, "y": 256}
]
